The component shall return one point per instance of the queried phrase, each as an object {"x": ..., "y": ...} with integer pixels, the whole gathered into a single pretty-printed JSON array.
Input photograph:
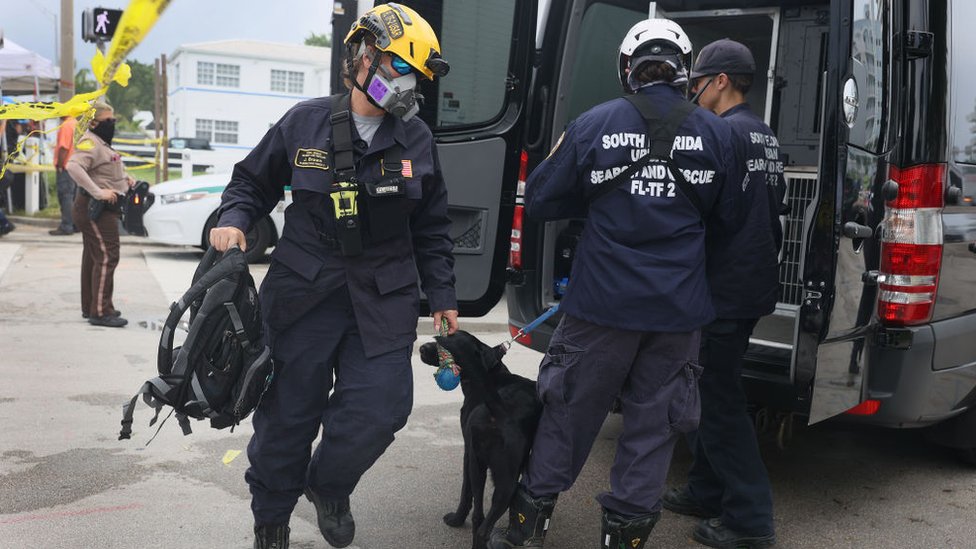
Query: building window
[
  {"x": 225, "y": 131},
  {"x": 228, "y": 76},
  {"x": 218, "y": 74},
  {"x": 287, "y": 81},
  {"x": 204, "y": 129},
  {"x": 205, "y": 73},
  {"x": 217, "y": 131}
]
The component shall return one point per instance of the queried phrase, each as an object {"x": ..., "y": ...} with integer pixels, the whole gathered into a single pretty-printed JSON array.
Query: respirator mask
[{"x": 396, "y": 94}]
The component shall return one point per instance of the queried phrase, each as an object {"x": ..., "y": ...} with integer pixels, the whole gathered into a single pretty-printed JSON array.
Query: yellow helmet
[{"x": 402, "y": 31}]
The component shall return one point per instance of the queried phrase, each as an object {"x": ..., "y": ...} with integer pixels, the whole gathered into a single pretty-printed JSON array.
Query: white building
[{"x": 232, "y": 91}]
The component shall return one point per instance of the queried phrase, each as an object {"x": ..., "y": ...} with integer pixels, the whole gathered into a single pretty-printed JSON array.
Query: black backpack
[
  {"x": 223, "y": 367},
  {"x": 137, "y": 200}
]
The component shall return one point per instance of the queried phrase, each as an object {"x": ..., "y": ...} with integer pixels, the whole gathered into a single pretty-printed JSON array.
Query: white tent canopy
[{"x": 21, "y": 68}]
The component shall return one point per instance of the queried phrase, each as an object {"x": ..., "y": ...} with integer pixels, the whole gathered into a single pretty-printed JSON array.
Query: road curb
[{"x": 34, "y": 221}]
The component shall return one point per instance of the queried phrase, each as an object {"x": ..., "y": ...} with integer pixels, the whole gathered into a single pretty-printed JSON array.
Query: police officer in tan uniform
[{"x": 97, "y": 168}]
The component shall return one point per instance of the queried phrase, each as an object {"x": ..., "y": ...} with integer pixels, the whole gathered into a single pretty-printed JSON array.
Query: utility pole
[
  {"x": 157, "y": 100},
  {"x": 164, "y": 114},
  {"x": 66, "y": 87}
]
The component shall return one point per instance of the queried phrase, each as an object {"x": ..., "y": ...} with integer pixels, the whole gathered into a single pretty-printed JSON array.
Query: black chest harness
[
  {"x": 384, "y": 199},
  {"x": 661, "y": 132}
]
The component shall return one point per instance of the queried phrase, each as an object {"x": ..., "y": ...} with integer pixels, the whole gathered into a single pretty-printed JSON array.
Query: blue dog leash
[
  {"x": 506, "y": 345},
  {"x": 448, "y": 376}
]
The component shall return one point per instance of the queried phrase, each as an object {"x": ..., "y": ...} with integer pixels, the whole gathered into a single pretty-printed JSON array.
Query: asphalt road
[{"x": 66, "y": 482}]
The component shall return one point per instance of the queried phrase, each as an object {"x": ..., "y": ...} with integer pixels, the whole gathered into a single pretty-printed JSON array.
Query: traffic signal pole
[{"x": 66, "y": 86}]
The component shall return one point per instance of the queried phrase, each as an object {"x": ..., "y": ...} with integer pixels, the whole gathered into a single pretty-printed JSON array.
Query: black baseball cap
[{"x": 726, "y": 56}]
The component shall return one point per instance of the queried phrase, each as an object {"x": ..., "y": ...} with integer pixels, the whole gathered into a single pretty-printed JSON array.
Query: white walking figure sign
[{"x": 102, "y": 21}]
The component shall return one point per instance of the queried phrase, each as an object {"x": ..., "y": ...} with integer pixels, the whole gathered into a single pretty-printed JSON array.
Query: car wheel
[{"x": 258, "y": 238}]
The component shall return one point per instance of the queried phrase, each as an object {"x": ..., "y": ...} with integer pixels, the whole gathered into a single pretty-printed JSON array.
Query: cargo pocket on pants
[
  {"x": 684, "y": 411},
  {"x": 557, "y": 374}
]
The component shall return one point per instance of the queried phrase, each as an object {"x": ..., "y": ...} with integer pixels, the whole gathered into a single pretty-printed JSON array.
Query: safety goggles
[{"x": 402, "y": 67}]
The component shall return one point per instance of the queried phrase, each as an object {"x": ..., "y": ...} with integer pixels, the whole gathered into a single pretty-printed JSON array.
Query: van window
[
  {"x": 963, "y": 91},
  {"x": 476, "y": 39},
  {"x": 594, "y": 72},
  {"x": 869, "y": 49}
]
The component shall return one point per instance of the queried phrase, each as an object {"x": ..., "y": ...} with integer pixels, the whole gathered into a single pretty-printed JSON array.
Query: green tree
[
  {"x": 137, "y": 96},
  {"x": 323, "y": 40},
  {"x": 84, "y": 81}
]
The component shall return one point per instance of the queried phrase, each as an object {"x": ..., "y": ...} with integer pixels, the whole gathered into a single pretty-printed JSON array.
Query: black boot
[
  {"x": 528, "y": 521},
  {"x": 334, "y": 518},
  {"x": 624, "y": 533},
  {"x": 271, "y": 537},
  {"x": 680, "y": 500},
  {"x": 713, "y": 533}
]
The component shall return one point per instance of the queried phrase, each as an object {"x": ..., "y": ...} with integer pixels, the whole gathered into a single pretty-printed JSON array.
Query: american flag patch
[{"x": 407, "y": 168}]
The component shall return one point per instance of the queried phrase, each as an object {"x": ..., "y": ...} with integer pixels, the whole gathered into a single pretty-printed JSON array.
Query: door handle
[{"x": 857, "y": 231}]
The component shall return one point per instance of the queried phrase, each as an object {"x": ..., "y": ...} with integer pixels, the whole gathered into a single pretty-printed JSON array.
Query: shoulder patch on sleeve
[
  {"x": 558, "y": 143},
  {"x": 85, "y": 145}
]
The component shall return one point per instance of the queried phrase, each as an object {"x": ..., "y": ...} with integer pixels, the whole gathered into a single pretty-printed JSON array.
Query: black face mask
[{"x": 106, "y": 130}]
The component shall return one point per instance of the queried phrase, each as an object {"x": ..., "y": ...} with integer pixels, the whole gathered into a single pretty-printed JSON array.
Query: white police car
[{"x": 185, "y": 210}]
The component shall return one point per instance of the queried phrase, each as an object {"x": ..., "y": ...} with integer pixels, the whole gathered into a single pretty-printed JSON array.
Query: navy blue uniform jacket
[
  {"x": 307, "y": 266},
  {"x": 743, "y": 266},
  {"x": 640, "y": 264}
]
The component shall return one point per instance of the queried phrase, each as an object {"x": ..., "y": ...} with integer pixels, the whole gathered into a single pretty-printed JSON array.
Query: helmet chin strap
[{"x": 373, "y": 67}]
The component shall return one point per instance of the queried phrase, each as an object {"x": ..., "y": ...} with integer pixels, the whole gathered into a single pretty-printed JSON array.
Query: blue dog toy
[{"x": 448, "y": 375}]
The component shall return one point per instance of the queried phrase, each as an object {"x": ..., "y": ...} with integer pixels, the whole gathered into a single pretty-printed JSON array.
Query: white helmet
[{"x": 652, "y": 40}]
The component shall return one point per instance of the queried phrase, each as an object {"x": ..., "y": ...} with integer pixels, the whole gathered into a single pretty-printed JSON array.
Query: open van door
[
  {"x": 838, "y": 293},
  {"x": 475, "y": 113}
]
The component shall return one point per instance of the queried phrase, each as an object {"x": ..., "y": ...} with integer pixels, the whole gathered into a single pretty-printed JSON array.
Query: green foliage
[
  {"x": 323, "y": 40},
  {"x": 137, "y": 96},
  {"x": 84, "y": 81}
]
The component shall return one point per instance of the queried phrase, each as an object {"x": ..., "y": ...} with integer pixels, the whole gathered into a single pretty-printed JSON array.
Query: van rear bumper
[
  {"x": 931, "y": 380},
  {"x": 921, "y": 375}
]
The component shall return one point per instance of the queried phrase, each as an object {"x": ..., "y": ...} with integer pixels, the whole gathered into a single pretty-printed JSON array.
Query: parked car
[
  {"x": 199, "y": 143},
  {"x": 868, "y": 97},
  {"x": 185, "y": 210}
]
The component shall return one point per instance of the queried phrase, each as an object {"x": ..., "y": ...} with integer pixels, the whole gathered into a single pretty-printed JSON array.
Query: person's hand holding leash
[{"x": 223, "y": 238}]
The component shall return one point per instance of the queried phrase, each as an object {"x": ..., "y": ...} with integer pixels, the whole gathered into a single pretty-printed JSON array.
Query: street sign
[{"x": 98, "y": 24}]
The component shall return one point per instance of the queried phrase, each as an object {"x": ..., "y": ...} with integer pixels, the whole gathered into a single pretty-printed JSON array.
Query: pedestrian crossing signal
[{"x": 99, "y": 24}]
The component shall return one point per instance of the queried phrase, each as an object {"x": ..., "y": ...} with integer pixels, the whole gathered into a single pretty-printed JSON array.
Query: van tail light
[
  {"x": 526, "y": 339},
  {"x": 866, "y": 408},
  {"x": 911, "y": 245},
  {"x": 515, "y": 249}
]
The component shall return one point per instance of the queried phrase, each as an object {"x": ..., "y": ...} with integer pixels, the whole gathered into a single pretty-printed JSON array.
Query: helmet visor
[{"x": 399, "y": 65}]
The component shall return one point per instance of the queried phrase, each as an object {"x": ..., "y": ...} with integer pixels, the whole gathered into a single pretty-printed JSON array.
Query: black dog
[{"x": 498, "y": 420}]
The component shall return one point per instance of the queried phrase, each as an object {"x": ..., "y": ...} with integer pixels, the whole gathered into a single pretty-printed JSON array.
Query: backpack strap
[
  {"x": 208, "y": 272},
  {"x": 661, "y": 132},
  {"x": 343, "y": 161}
]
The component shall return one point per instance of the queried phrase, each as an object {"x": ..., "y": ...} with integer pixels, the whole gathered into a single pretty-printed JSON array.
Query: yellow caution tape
[
  {"x": 146, "y": 141},
  {"x": 137, "y": 20},
  {"x": 27, "y": 168}
]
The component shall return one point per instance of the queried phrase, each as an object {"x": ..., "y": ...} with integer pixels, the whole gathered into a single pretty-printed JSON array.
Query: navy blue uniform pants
[
  {"x": 588, "y": 366},
  {"x": 66, "y": 199},
  {"x": 727, "y": 474},
  {"x": 357, "y": 414}
]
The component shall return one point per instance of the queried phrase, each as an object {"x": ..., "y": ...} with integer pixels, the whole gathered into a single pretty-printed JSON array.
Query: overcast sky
[{"x": 30, "y": 23}]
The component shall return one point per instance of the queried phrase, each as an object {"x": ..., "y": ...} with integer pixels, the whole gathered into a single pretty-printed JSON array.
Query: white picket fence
[{"x": 183, "y": 159}]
